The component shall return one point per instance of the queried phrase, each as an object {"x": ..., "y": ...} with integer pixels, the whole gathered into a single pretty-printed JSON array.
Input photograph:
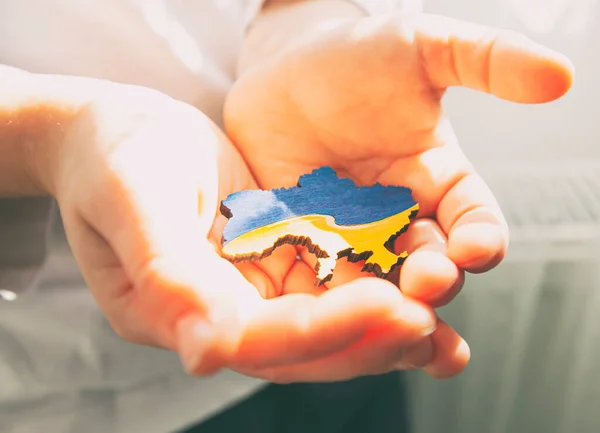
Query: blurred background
[{"x": 533, "y": 324}]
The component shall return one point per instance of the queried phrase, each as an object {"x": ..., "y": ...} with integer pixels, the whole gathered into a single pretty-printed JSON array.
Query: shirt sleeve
[
  {"x": 378, "y": 7},
  {"x": 370, "y": 7},
  {"x": 253, "y": 7}
]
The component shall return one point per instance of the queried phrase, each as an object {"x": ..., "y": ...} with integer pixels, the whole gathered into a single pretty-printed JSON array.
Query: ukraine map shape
[{"x": 331, "y": 216}]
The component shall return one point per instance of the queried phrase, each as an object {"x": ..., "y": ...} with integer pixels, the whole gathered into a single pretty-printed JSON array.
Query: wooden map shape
[{"x": 330, "y": 216}]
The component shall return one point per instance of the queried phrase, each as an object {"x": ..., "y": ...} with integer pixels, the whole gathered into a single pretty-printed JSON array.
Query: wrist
[
  {"x": 31, "y": 124},
  {"x": 36, "y": 117},
  {"x": 282, "y": 24},
  {"x": 43, "y": 145}
]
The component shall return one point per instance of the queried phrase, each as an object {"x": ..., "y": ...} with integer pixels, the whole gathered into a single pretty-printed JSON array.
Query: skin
[{"x": 139, "y": 176}]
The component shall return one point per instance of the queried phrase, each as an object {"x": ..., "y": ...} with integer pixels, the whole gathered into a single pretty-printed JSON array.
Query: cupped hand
[
  {"x": 364, "y": 96},
  {"x": 138, "y": 178}
]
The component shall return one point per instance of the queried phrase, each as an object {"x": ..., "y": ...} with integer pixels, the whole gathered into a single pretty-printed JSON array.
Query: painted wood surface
[{"x": 331, "y": 216}]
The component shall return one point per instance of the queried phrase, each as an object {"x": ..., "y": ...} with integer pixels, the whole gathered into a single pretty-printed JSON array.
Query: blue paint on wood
[{"x": 321, "y": 192}]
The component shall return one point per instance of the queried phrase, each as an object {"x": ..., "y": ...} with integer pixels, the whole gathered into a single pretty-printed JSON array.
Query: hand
[
  {"x": 363, "y": 95},
  {"x": 138, "y": 178}
]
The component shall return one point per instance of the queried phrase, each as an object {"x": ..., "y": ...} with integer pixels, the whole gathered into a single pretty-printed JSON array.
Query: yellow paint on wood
[{"x": 329, "y": 237}]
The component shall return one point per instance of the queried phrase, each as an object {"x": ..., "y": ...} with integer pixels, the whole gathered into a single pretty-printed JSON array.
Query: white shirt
[{"x": 62, "y": 368}]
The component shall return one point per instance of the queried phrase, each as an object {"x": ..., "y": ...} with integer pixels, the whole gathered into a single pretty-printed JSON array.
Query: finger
[
  {"x": 447, "y": 187},
  {"x": 107, "y": 280},
  {"x": 477, "y": 230},
  {"x": 299, "y": 328},
  {"x": 202, "y": 307},
  {"x": 277, "y": 266},
  {"x": 443, "y": 354},
  {"x": 451, "y": 353},
  {"x": 258, "y": 278},
  {"x": 378, "y": 352},
  {"x": 416, "y": 356},
  {"x": 344, "y": 272},
  {"x": 301, "y": 279},
  {"x": 270, "y": 270},
  {"x": 269, "y": 273},
  {"x": 506, "y": 64},
  {"x": 427, "y": 274},
  {"x": 423, "y": 234}
]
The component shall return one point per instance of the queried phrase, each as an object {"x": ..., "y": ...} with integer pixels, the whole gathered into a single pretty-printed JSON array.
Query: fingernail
[{"x": 482, "y": 263}]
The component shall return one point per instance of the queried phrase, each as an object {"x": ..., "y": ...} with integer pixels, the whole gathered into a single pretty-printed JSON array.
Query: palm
[
  {"x": 339, "y": 105},
  {"x": 283, "y": 131}
]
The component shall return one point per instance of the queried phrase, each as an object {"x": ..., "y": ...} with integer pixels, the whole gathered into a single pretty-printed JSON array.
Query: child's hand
[
  {"x": 363, "y": 95},
  {"x": 138, "y": 178}
]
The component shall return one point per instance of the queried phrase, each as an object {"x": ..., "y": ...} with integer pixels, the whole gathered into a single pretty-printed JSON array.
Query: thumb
[{"x": 505, "y": 64}]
